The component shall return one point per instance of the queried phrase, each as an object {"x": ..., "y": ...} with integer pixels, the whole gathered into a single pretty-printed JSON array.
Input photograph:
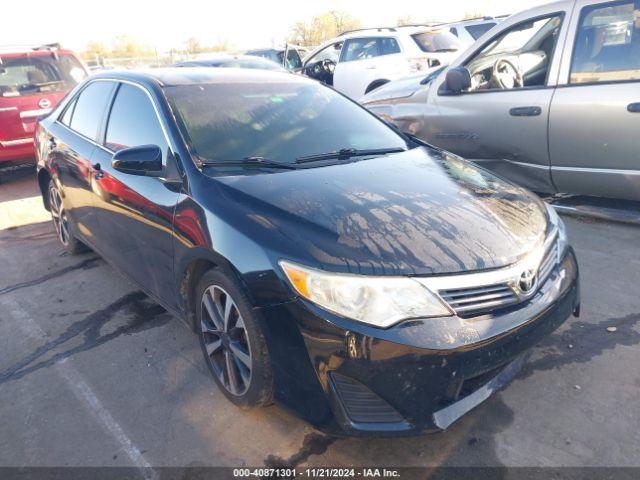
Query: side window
[
  {"x": 389, "y": 46},
  {"x": 90, "y": 109},
  {"x": 65, "y": 119},
  {"x": 360, "y": 49},
  {"x": 332, "y": 52},
  {"x": 133, "y": 121},
  {"x": 607, "y": 47},
  {"x": 517, "y": 58},
  {"x": 293, "y": 59},
  {"x": 454, "y": 31}
]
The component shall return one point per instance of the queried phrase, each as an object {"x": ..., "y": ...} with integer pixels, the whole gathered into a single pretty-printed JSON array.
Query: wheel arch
[
  {"x": 375, "y": 84},
  {"x": 44, "y": 177},
  {"x": 190, "y": 273}
]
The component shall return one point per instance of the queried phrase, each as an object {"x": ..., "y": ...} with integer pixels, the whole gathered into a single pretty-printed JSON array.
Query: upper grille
[
  {"x": 481, "y": 292},
  {"x": 477, "y": 299}
]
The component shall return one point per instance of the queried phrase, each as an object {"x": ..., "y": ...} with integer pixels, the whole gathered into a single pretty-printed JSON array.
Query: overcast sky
[{"x": 243, "y": 23}]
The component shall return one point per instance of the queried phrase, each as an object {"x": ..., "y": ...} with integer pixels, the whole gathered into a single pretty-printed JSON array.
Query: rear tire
[
  {"x": 232, "y": 341},
  {"x": 62, "y": 222}
]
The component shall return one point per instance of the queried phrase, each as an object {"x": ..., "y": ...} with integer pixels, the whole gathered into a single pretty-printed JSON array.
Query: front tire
[
  {"x": 62, "y": 222},
  {"x": 232, "y": 341}
]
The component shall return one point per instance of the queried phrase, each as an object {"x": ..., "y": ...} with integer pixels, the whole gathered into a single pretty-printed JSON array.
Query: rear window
[
  {"x": 437, "y": 41},
  {"x": 28, "y": 75},
  {"x": 280, "y": 121},
  {"x": 476, "y": 31}
]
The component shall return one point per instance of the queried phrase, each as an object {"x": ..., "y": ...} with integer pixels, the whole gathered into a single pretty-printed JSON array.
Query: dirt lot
[{"x": 93, "y": 373}]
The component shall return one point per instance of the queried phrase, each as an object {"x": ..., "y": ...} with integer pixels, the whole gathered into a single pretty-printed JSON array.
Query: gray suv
[{"x": 550, "y": 98}]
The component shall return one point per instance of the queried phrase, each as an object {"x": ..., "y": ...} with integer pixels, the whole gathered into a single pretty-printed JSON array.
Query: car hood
[
  {"x": 401, "y": 88},
  {"x": 413, "y": 213}
]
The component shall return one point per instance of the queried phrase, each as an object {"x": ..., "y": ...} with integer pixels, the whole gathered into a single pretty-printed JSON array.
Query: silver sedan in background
[{"x": 550, "y": 98}]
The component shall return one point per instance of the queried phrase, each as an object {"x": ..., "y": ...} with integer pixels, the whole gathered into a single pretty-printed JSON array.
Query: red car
[{"x": 32, "y": 81}]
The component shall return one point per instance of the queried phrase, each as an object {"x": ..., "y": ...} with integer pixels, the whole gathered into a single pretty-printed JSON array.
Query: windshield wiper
[
  {"x": 442, "y": 50},
  {"x": 249, "y": 161},
  {"x": 347, "y": 153}
]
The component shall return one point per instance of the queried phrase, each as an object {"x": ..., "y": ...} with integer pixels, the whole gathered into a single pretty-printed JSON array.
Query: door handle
[
  {"x": 633, "y": 107},
  {"x": 97, "y": 170},
  {"x": 525, "y": 111}
]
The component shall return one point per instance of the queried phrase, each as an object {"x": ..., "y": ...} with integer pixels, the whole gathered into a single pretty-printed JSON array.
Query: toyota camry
[{"x": 365, "y": 280}]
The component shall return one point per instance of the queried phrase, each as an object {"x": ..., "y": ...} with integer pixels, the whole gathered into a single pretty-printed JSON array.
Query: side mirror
[
  {"x": 145, "y": 160},
  {"x": 458, "y": 79}
]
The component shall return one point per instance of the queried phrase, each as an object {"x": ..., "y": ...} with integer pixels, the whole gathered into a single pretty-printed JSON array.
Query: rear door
[
  {"x": 595, "y": 115},
  {"x": 365, "y": 60},
  {"x": 72, "y": 144},
  {"x": 136, "y": 212},
  {"x": 504, "y": 126}
]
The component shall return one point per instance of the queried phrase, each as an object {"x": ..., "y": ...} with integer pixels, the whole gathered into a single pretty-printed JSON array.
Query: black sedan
[{"x": 367, "y": 281}]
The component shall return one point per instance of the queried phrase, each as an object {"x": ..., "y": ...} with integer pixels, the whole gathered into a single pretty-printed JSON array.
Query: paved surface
[{"x": 93, "y": 373}]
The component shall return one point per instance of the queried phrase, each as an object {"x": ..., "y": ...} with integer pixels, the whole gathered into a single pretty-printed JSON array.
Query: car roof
[
  {"x": 476, "y": 21},
  {"x": 386, "y": 31},
  {"x": 225, "y": 56},
  {"x": 168, "y": 77},
  {"x": 19, "y": 51}
]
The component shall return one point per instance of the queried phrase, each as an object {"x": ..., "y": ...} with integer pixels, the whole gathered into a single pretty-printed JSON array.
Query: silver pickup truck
[{"x": 550, "y": 98}]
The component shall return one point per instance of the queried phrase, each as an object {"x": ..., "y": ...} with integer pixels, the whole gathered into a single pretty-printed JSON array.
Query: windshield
[
  {"x": 38, "y": 73},
  {"x": 437, "y": 41},
  {"x": 279, "y": 121}
]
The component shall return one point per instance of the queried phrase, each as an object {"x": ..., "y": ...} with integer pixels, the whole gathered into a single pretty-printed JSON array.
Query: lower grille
[
  {"x": 361, "y": 404},
  {"x": 478, "y": 299},
  {"x": 470, "y": 385}
]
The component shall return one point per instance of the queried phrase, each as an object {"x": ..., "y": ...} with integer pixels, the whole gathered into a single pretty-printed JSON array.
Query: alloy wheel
[
  {"x": 58, "y": 215},
  {"x": 225, "y": 340}
]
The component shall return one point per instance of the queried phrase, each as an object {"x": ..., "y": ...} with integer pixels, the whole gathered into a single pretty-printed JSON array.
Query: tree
[
  {"x": 193, "y": 45},
  {"x": 126, "y": 46},
  {"x": 322, "y": 28},
  {"x": 96, "y": 51},
  {"x": 406, "y": 20},
  {"x": 473, "y": 14}
]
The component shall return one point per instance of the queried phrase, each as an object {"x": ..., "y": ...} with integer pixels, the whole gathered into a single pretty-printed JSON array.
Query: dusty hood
[{"x": 416, "y": 212}]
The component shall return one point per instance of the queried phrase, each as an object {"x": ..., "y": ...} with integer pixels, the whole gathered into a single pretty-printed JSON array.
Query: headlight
[
  {"x": 563, "y": 241},
  {"x": 378, "y": 301}
]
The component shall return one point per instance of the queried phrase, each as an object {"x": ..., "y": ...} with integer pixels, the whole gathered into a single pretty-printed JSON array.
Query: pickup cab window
[{"x": 607, "y": 47}]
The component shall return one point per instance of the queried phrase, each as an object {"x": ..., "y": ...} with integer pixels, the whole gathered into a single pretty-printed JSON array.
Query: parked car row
[
  {"x": 550, "y": 98},
  {"x": 331, "y": 258}
]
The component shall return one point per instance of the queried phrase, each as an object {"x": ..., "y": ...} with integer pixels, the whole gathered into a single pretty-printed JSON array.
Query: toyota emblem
[
  {"x": 44, "y": 103},
  {"x": 527, "y": 281}
]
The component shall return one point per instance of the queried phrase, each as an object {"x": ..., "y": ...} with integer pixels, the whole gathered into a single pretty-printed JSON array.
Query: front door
[
  {"x": 595, "y": 118},
  {"x": 363, "y": 61},
  {"x": 135, "y": 213},
  {"x": 501, "y": 121}
]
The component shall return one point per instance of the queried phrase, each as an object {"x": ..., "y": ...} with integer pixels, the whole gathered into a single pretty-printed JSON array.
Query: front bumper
[{"x": 418, "y": 376}]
